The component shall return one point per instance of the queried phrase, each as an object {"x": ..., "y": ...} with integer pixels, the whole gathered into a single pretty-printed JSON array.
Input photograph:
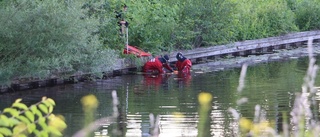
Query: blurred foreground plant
[
  {"x": 89, "y": 105},
  {"x": 36, "y": 120},
  {"x": 204, "y": 99},
  {"x": 304, "y": 120}
]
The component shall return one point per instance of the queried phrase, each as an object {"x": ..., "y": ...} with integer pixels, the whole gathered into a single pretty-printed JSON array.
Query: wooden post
[
  {"x": 276, "y": 47},
  {"x": 287, "y": 46},
  {"x": 241, "y": 53},
  {"x": 253, "y": 51}
]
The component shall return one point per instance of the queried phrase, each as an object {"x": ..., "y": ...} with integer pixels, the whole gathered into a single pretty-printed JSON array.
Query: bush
[
  {"x": 44, "y": 37},
  {"x": 151, "y": 25},
  {"x": 202, "y": 23},
  {"x": 307, "y": 14},
  {"x": 260, "y": 19}
]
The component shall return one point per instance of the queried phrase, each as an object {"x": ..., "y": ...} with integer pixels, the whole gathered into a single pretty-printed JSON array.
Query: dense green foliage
[
  {"x": 260, "y": 19},
  {"x": 203, "y": 23},
  {"x": 42, "y": 38},
  {"x": 307, "y": 14},
  {"x": 159, "y": 26}
]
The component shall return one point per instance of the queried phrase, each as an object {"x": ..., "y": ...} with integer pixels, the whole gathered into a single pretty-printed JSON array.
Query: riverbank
[
  {"x": 213, "y": 58},
  {"x": 207, "y": 66}
]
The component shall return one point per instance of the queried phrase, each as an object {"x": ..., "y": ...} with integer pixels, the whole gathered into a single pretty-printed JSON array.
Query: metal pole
[{"x": 127, "y": 43}]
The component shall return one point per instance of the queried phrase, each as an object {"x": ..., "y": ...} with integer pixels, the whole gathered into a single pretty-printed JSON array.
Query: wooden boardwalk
[
  {"x": 250, "y": 47},
  {"x": 199, "y": 55}
]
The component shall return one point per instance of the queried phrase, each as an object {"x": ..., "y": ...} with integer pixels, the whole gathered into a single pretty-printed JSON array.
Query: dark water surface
[{"x": 175, "y": 99}]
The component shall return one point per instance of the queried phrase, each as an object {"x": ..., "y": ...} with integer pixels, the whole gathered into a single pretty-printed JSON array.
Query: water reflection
[
  {"x": 156, "y": 82},
  {"x": 219, "y": 125},
  {"x": 178, "y": 124},
  {"x": 183, "y": 79}
]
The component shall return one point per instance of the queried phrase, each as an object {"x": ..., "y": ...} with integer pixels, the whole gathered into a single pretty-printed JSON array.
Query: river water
[{"x": 174, "y": 98}]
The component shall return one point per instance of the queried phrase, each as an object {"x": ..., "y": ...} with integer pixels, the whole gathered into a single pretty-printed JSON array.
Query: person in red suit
[
  {"x": 156, "y": 65},
  {"x": 183, "y": 64}
]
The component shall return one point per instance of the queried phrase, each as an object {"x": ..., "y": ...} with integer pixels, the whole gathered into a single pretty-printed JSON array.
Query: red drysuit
[
  {"x": 155, "y": 66},
  {"x": 184, "y": 66}
]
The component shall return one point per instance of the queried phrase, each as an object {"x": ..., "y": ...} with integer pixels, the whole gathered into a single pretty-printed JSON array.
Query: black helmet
[
  {"x": 164, "y": 59},
  {"x": 180, "y": 57}
]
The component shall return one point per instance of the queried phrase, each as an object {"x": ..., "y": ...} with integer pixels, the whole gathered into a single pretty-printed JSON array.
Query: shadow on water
[{"x": 174, "y": 98}]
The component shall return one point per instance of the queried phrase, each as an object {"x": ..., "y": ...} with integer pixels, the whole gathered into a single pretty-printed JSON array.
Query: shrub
[
  {"x": 44, "y": 37},
  {"x": 307, "y": 14},
  {"x": 260, "y": 19}
]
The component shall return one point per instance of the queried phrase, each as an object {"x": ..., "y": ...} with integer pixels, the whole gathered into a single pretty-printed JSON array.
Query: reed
[{"x": 303, "y": 116}]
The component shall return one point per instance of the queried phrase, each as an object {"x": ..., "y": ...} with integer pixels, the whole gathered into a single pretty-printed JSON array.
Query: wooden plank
[
  {"x": 225, "y": 49},
  {"x": 296, "y": 36}
]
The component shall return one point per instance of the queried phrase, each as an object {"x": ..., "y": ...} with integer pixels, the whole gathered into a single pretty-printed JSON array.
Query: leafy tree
[
  {"x": 205, "y": 22},
  {"x": 152, "y": 24},
  {"x": 307, "y": 14},
  {"x": 260, "y": 19},
  {"x": 105, "y": 12},
  {"x": 42, "y": 38}
]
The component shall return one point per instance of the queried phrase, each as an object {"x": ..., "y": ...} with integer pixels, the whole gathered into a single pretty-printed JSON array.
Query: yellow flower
[
  {"x": 204, "y": 98},
  {"x": 245, "y": 124},
  {"x": 89, "y": 102},
  {"x": 260, "y": 127}
]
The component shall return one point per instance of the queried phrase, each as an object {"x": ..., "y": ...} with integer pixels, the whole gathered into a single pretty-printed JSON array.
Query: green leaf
[
  {"x": 21, "y": 135},
  {"x": 36, "y": 133},
  {"x": 1, "y": 135},
  {"x": 44, "y": 134},
  {"x": 51, "y": 101},
  {"x": 34, "y": 109},
  {"x": 43, "y": 124},
  {"x": 5, "y": 131},
  {"x": 18, "y": 100},
  {"x": 13, "y": 122},
  {"x": 4, "y": 120},
  {"x": 31, "y": 127},
  {"x": 57, "y": 122},
  {"x": 42, "y": 119},
  {"x": 38, "y": 113},
  {"x": 54, "y": 131},
  {"x": 46, "y": 103},
  {"x": 12, "y": 111},
  {"x": 20, "y": 105},
  {"x": 43, "y": 108},
  {"x": 3, "y": 123},
  {"x": 19, "y": 129},
  {"x": 50, "y": 109},
  {"x": 30, "y": 116},
  {"x": 23, "y": 119}
]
